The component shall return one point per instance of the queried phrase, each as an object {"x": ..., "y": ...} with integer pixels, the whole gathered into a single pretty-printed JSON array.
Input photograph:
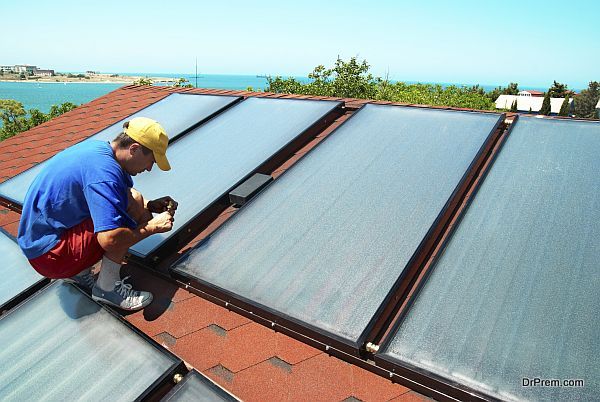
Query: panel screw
[{"x": 371, "y": 347}]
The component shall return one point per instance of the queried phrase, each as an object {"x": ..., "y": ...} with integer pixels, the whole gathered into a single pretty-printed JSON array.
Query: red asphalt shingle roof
[{"x": 250, "y": 360}]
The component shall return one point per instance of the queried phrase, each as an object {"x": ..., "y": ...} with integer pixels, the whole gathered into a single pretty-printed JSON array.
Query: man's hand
[
  {"x": 163, "y": 204},
  {"x": 161, "y": 223}
]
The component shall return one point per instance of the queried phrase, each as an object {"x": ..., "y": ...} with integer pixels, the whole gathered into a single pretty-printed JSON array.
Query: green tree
[
  {"x": 511, "y": 89},
  {"x": 143, "y": 81},
  {"x": 352, "y": 79},
  {"x": 349, "y": 79},
  {"x": 57, "y": 110},
  {"x": 36, "y": 118},
  {"x": 565, "y": 108},
  {"x": 15, "y": 119},
  {"x": 436, "y": 95},
  {"x": 546, "y": 107},
  {"x": 182, "y": 83},
  {"x": 558, "y": 90},
  {"x": 586, "y": 101},
  {"x": 513, "y": 107}
]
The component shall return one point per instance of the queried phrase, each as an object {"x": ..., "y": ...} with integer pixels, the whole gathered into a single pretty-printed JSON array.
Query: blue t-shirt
[{"x": 83, "y": 181}]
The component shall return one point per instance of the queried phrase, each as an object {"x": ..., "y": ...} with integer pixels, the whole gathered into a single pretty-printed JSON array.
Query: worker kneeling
[{"x": 82, "y": 208}]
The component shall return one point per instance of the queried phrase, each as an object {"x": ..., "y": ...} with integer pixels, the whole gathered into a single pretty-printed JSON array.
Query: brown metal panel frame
[
  {"x": 417, "y": 373},
  {"x": 402, "y": 287},
  {"x": 279, "y": 318},
  {"x": 161, "y": 385},
  {"x": 221, "y": 392}
]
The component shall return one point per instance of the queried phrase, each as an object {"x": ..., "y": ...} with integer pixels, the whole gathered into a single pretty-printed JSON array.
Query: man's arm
[{"x": 116, "y": 242}]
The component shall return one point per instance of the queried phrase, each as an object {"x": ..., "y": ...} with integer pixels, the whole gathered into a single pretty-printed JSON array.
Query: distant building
[
  {"x": 529, "y": 103},
  {"x": 530, "y": 92},
  {"x": 24, "y": 68},
  {"x": 43, "y": 73}
]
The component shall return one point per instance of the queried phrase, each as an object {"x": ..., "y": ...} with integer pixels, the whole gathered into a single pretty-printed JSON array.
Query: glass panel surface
[
  {"x": 176, "y": 113},
  {"x": 209, "y": 161},
  {"x": 516, "y": 293},
  {"x": 16, "y": 273},
  {"x": 326, "y": 241},
  {"x": 61, "y": 346},
  {"x": 196, "y": 387}
]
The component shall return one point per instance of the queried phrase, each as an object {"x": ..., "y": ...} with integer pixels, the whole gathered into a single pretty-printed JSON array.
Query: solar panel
[
  {"x": 326, "y": 242},
  {"x": 17, "y": 275},
  {"x": 60, "y": 345},
  {"x": 212, "y": 159},
  {"x": 515, "y": 294},
  {"x": 176, "y": 113},
  {"x": 196, "y": 387}
]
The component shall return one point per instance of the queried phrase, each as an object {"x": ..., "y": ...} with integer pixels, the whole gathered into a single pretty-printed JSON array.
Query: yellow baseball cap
[{"x": 151, "y": 135}]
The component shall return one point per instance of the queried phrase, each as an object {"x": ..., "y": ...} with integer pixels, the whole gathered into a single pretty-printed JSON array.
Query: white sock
[{"x": 110, "y": 272}]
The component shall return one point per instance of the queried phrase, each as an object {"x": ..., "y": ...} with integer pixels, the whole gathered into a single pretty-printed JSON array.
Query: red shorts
[{"x": 77, "y": 249}]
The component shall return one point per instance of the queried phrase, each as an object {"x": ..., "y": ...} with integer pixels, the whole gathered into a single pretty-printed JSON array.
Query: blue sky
[{"x": 486, "y": 42}]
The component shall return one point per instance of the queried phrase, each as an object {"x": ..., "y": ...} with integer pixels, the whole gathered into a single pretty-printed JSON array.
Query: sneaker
[
  {"x": 122, "y": 296},
  {"x": 84, "y": 280}
]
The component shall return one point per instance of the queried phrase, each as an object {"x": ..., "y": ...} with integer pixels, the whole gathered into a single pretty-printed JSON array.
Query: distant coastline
[{"x": 89, "y": 79}]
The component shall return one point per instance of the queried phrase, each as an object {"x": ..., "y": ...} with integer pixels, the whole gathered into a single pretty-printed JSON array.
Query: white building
[
  {"x": 529, "y": 92},
  {"x": 43, "y": 73},
  {"x": 24, "y": 68},
  {"x": 529, "y": 103}
]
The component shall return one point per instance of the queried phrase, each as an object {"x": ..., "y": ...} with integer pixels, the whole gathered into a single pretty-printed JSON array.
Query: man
[{"x": 82, "y": 208}]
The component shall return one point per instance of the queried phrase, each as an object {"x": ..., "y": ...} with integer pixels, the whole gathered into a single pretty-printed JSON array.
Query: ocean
[{"x": 43, "y": 95}]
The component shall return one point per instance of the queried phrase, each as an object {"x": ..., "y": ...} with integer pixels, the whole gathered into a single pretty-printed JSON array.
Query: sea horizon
[
  {"x": 42, "y": 95},
  {"x": 191, "y": 77}
]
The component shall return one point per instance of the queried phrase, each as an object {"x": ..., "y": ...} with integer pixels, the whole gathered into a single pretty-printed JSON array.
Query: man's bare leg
[{"x": 110, "y": 268}]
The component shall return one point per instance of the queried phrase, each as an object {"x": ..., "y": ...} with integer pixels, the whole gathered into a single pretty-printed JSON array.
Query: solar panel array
[
  {"x": 60, "y": 345},
  {"x": 17, "y": 275},
  {"x": 212, "y": 159},
  {"x": 176, "y": 113},
  {"x": 326, "y": 242},
  {"x": 515, "y": 294}
]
